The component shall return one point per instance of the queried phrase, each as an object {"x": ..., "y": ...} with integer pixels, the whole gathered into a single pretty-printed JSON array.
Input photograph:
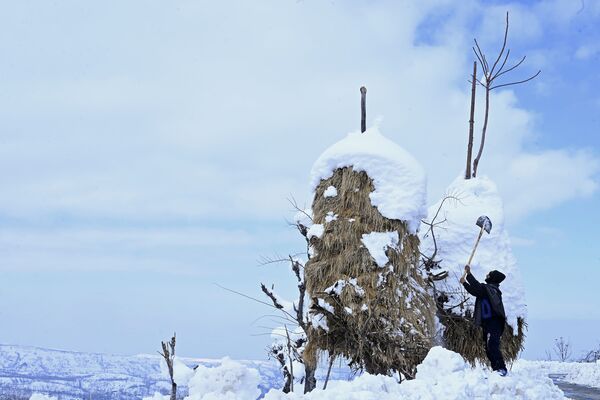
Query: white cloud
[
  {"x": 544, "y": 180},
  {"x": 585, "y": 52},
  {"x": 223, "y": 115}
]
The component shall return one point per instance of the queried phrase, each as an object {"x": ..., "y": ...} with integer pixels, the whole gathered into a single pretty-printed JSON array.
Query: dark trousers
[{"x": 492, "y": 331}]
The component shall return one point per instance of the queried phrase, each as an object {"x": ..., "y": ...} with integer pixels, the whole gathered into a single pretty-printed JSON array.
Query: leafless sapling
[{"x": 491, "y": 75}]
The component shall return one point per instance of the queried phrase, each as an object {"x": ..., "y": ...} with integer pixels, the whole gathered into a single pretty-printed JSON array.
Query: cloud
[
  {"x": 145, "y": 249},
  {"x": 547, "y": 179},
  {"x": 586, "y": 52},
  {"x": 221, "y": 115}
]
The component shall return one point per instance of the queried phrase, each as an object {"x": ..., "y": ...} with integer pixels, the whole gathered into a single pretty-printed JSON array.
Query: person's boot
[{"x": 502, "y": 372}]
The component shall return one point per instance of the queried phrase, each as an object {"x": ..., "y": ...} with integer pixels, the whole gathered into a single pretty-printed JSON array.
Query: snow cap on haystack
[{"x": 400, "y": 181}]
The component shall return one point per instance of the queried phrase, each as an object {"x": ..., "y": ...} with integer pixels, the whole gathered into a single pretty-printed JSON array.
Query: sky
[{"x": 148, "y": 152}]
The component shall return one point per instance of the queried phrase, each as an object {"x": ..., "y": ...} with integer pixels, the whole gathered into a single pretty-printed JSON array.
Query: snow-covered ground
[
  {"x": 442, "y": 375},
  {"x": 587, "y": 374},
  {"x": 70, "y": 375}
]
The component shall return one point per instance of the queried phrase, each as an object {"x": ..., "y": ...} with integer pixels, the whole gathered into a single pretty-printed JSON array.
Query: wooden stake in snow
[
  {"x": 168, "y": 353},
  {"x": 363, "y": 109}
]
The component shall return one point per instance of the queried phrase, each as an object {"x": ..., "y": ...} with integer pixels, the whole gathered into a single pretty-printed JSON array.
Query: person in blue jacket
[{"x": 489, "y": 313}]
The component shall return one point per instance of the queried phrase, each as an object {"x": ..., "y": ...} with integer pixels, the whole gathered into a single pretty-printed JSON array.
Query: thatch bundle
[
  {"x": 463, "y": 337},
  {"x": 380, "y": 318}
]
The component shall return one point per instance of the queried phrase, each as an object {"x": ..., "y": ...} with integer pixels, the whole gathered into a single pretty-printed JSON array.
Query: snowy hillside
[{"x": 70, "y": 375}]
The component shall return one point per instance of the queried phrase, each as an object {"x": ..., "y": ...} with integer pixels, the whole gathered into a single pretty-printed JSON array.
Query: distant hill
[{"x": 70, "y": 375}]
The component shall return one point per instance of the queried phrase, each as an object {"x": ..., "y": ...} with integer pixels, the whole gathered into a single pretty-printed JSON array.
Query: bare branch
[
  {"x": 503, "y": 47},
  {"x": 256, "y": 300},
  {"x": 294, "y": 204},
  {"x": 499, "y": 74},
  {"x": 501, "y": 66},
  {"x": 518, "y": 82},
  {"x": 479, "y": 56},
  {"x": 482, "y": 60},
  {"x": 270, "y": 294}
]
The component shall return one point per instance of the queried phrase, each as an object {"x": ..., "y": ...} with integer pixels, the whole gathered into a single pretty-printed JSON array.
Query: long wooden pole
[
  {"x": 471, "y": 122},
  {"x": 363, "y": 109}
]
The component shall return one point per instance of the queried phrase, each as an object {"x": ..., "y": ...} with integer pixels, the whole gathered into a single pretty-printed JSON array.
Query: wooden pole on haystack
[{"x": 363, "y": 109}]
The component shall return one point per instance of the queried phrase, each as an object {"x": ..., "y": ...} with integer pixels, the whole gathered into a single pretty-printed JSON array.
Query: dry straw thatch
[
  {"x": 463, "y": 337},
  {"x": 378, "y": 318}
]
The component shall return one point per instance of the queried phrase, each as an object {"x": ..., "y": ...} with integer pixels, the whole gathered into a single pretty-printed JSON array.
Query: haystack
[
  {"x": 369, "y": 302},
  {"x": 455, "y": 235}
]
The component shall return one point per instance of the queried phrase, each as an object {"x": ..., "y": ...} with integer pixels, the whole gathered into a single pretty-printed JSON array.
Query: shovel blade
[{"x": 485, "y": 223}]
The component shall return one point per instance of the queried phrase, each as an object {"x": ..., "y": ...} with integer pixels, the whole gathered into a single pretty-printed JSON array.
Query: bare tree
[
  {"x": 298, "y": 317},
  {"x": 490, "y": 76},
  {"x": 562, "y": 349},
  {"x": 168, "y": 353}
]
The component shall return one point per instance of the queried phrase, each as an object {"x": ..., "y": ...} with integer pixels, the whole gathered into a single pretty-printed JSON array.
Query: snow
[
  {"x": 157, "y": 396},
  {"x": 331, "y": 191},
  {"x": 181, "y": 372},
  {"x": 399, "y": 180},
  {"x": 330, "y": 217},
  {"x": 378, "y": 242},
  {"x": 315, "y": 230},
  {"x": 442, "y": 375},
  {"x": 319, "y": 321},
  {"x": 457, "y": 235},
  {"x": 304, "y": 217},
  {"x": 337, "y": 287},
  {"x": 325, "y": 305},
  {"x": 587, "y": 374},
  {"x": 228, "y": 381}
]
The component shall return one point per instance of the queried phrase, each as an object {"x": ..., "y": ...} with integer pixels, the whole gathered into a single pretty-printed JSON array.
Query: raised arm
[{"x": 473, "y": 286}]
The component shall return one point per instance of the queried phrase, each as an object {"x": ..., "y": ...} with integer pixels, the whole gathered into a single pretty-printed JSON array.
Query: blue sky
[{"x": 148, "y": 149}]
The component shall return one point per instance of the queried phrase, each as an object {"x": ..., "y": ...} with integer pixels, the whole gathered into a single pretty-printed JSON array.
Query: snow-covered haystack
[
  {"x": 455, "y": 237},
  {"x": 369, "y": 302}
]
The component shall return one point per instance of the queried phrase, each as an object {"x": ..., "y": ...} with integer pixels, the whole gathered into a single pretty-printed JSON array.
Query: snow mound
[
  {"x": 228, "y": 381},
  {"x": 37, "y": 396},
  {"x": 181, "y": 372},
  {"x": 442, "y": 375},
  {"x": 456, "y": 236},
  {"x": 440, "y": 361},
  {"x": 587, "y": 374},
  {"x": 399, "y": 180}
]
